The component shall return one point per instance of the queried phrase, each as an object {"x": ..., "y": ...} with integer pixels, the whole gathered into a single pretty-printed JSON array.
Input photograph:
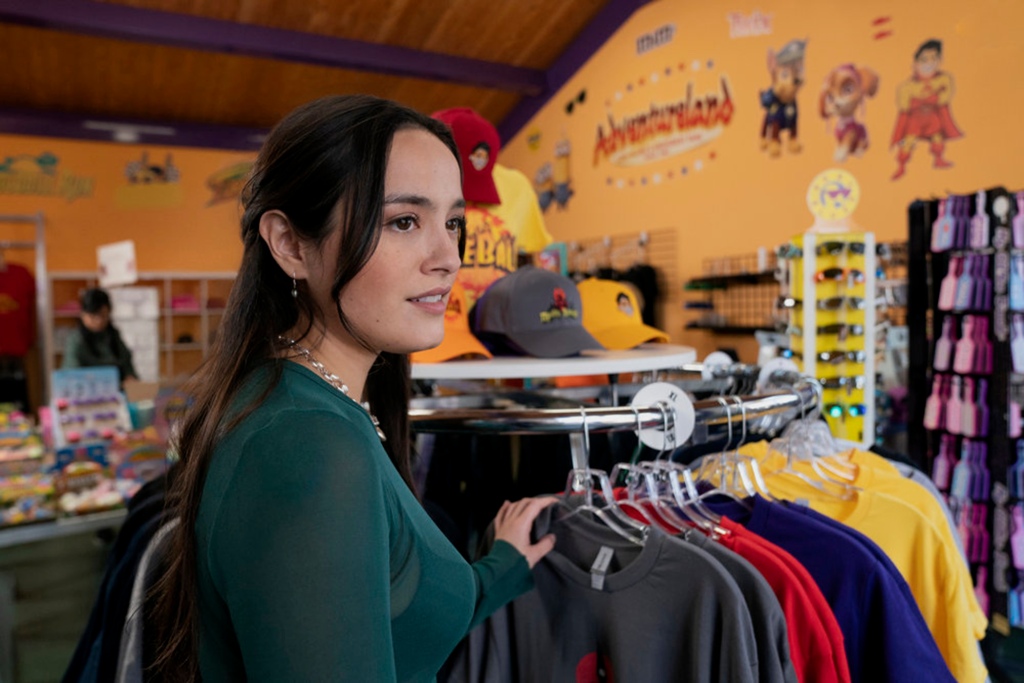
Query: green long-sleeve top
[
  {"x": 316, "y": 562},
  {"x": 104, "y": 348}
]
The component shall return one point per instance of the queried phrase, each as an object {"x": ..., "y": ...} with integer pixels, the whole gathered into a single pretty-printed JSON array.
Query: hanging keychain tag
[
  {"x": 679, "y": 408},
  {"x": 599, "y": 569}
]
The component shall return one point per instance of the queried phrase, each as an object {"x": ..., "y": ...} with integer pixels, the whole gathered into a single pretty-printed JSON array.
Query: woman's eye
[
  {"x": 456, "y": 224},
  {"x": 404, "y": 223}
]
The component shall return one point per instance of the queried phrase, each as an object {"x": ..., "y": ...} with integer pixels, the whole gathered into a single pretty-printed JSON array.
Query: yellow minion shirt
[
  {"x": 496, "y": 233},
  {"x": 931, "y": 565}
]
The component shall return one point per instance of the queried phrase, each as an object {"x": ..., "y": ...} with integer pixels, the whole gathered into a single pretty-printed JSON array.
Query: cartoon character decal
[
  {"x": 544, "y": 185},
  {"x": 787, "y": 70},
  {"x": 624, "y": 305},
  {"x": 923, "y": 102},
  {"x": 845, "y": 91},
  {"x": 145, "y": 172},
  {"x": 553, "y": 180},
  {"x": 562, "y": 176},
  {"x": 480, "y": 156}
]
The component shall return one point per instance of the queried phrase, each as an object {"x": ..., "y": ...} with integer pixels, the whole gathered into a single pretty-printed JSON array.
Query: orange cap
[
  {"x": 458, "y": 339},
  {"x": 612, "y": 315}
]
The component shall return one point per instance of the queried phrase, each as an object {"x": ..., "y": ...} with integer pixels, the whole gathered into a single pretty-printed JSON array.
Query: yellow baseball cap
[
  {"x": 612, "y": 315},
  {"x": 458, "y": 339}
]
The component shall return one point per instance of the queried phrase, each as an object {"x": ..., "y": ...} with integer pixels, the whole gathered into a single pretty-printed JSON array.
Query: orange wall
[
  {"x": 734, "y": 198},
  {"x": 85, "y": 195}
]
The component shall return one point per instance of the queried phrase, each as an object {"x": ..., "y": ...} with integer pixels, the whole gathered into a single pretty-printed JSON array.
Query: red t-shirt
[
  {"x": 17, "y": 310},
  {"x": 815, "y": 641}
]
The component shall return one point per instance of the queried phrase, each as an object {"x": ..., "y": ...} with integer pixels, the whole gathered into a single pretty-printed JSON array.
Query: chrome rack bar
[{"x": 766, "y": 415}]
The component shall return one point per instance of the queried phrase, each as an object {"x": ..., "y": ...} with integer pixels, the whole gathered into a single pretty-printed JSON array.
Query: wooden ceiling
[{"x": 80, "y": 69}]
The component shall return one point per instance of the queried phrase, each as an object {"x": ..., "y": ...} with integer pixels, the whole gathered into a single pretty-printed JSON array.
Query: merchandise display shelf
[
  {"x": 66, "y": 526},
  {"x": 642, "y": 359},
  {"x": 725, "y": 281},
  {"x": 728, "y": 329}
]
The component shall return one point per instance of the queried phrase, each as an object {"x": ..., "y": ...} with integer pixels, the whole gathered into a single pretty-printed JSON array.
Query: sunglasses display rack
[
  {"x": 832, "y": 316},
  {"x": 965, "y": 316}
]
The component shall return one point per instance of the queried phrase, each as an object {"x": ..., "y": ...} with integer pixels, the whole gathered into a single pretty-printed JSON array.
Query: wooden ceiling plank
[
  {"x": 589, "y": 41},
  {"x": 168, "y": 28}
]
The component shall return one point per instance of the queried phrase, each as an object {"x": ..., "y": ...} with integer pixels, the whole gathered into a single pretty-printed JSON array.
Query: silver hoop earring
[{"x": 295, "y": 287}]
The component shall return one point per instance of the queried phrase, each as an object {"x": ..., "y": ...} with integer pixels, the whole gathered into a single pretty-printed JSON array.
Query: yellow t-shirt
[
  {"x": 930, "y": 565},
  {"x": 877, "y": 474},
  {"x": 496, "y": 233}
]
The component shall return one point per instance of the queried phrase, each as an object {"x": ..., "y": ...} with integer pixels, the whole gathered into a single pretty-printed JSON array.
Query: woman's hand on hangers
[{"x": 513, "y": 523}]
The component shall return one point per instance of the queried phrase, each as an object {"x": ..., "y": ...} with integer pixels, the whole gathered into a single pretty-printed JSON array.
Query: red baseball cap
[{"x": 478, "y": 144}]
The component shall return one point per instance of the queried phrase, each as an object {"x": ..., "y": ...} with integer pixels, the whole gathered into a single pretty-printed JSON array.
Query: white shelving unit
[{"x": 199, "y": 322}]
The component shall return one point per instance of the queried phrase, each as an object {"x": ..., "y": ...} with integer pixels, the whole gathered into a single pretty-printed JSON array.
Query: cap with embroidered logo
[
  {"x": 458, "y": 339},
  {"x": 532, "y": 312},
  {"x": 478, "y": 143},
  {"x": 612, "y": 314}
]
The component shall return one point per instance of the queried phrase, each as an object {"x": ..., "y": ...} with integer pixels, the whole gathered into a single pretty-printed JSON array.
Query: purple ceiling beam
[
  {"x": 590, "y": 40},
  {"x": 183, "y": 30},
  {"x": 136, "y": 131}
]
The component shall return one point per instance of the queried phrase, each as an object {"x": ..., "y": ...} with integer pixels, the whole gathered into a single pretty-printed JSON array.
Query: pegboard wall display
[
  {"x": 735, "y": 294},
  {"x": 610, "y": 256}
]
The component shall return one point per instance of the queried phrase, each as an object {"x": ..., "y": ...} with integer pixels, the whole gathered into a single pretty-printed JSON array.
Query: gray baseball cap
[{"x": 532, "y": 312}]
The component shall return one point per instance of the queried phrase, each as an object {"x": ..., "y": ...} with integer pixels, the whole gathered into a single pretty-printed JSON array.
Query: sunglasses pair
[
  {"x": 836, "y": 356},
  {"x": 836, "y": 248},
  {"x": 788, "y": 251},
  {"x": 843, "y": 382},
  {"x": 831, "y": 304},
  {"x": 838, "y": 329},
  {"x": 851, "y": 275},
  {"x": 837, "y": 410}
]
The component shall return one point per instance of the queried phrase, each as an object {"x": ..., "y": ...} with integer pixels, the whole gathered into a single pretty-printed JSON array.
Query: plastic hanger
[
  {"x": 687, "y": 502},
  {"x": 582, "y": 479},
  {"x": 721, "y": 470},
  {"x": 784, "y": 445},
  {"x": 743, "y": 461}
]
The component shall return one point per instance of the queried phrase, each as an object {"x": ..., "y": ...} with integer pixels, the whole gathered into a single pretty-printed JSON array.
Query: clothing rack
[{"x": 763, "y": 415}]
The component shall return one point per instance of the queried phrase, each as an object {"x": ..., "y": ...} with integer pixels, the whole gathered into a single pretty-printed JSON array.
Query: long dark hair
[{"x": 327, "y": 155}]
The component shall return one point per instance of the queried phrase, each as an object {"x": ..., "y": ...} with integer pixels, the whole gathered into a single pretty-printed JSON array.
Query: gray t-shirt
[
  {"x": 666, "y": 611},
  {"x": 773, "y": 660}
]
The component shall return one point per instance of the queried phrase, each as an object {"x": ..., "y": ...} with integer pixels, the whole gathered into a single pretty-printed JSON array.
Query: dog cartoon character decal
[
  {"x": 846, "y": 89},
  {"x": 779, "y": 101}
]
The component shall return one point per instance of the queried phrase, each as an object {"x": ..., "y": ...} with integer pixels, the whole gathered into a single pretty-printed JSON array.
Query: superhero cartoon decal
[
  {"x": 787, "y": 70},
  {"x": 843, "y": 97},
  {"x": 923, "y": 101}
]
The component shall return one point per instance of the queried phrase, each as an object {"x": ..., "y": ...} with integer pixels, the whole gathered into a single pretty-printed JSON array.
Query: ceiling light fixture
[{"x": 128, "y": 132}]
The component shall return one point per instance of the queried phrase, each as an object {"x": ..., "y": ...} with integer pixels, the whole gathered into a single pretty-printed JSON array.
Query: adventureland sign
[{"x": 665, "y": 130}]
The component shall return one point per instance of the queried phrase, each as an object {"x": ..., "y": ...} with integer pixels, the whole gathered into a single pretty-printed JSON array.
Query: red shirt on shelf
[{"x": 17, "y": 310}]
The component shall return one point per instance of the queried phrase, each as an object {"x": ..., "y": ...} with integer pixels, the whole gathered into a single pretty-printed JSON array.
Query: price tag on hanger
[{"x": 679, "y": 408}]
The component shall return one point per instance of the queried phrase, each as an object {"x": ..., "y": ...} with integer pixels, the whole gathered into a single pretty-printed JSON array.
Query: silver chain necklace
[{"x": 331, "y": 378}]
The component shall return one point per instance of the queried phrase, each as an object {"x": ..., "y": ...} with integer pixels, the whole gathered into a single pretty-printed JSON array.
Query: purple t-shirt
[{"x": 885, "y": 636}]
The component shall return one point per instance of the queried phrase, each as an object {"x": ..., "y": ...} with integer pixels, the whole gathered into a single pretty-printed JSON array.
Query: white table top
[{"x": 641, "y": 359}]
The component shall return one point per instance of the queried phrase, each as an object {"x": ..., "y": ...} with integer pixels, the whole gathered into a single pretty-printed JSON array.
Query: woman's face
[
  {"x": 398, "y": 300},
  {"x": 98, "y": 321}
]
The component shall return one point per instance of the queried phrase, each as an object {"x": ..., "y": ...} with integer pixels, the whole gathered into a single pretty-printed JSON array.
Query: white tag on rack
[
  {"x": 679, "y": 408},
  {"x": 715, "y": 359},
  {"x": 599, "y": 569},
  {"x": 783, "y": 364}
]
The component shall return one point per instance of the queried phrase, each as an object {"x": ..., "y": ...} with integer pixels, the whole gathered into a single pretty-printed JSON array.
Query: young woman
[
  {"x": 96, "y": 341},
  {"x": 303, "y": 552}
]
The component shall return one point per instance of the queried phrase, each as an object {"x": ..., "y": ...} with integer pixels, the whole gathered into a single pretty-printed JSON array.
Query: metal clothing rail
[{"x": 764, "y": 415}]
